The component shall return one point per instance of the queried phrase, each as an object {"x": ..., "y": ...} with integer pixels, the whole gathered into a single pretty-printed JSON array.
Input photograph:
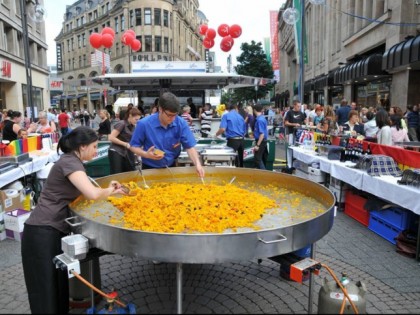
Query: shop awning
[
  {"x": 404, "y": 54},
  {"x": 95, "y": 96},
  {"x": 308, "y": 86},
  {"x": 114, "y": 92},
  {"x": 366, "y": 69},
  {"x": 320, "y": 82}
]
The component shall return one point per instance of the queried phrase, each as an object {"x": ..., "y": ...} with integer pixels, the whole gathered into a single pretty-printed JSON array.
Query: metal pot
[{"x": 273, "y": 238}]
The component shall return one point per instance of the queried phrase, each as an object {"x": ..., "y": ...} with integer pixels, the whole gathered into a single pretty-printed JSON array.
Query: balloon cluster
[
  {"x": 106, "y": 39},
  {"x": 228, "y": 33}
]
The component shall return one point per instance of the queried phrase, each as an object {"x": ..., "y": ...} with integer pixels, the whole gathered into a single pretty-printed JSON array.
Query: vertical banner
[
  {"x": 298, "y": 32},
  {"x": 275, "y": 52}
]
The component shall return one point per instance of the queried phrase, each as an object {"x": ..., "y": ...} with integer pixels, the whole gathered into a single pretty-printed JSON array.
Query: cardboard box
[
  {"x": 11, "y": 199},
  {"x": 17, "y": 236},
  {"x": 14, "y": 220}
]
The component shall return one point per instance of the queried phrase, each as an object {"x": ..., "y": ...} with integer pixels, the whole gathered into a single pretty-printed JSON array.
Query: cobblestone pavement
[{"x": 392, "y": 280}]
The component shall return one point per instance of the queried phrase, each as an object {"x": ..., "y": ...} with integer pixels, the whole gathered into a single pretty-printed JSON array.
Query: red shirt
[{"x": 63, "y": 120}]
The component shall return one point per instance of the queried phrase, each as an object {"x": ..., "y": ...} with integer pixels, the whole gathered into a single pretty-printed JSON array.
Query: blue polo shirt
[
  {"x": 234, "y": 124},
  {"x": 260, "y": 127},
  {"x": 149, "y": 132}
]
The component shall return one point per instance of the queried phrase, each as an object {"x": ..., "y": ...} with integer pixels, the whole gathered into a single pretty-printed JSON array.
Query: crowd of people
[{"x": 385, "y": 126}]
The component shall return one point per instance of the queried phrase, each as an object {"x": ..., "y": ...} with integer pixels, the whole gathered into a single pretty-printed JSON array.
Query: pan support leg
[
  {"x": 179, "y": 288},
  {"x": 311, "y": 276}
]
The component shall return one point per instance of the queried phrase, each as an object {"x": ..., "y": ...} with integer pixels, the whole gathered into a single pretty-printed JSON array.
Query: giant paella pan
[{"x": 278, "y": 232}]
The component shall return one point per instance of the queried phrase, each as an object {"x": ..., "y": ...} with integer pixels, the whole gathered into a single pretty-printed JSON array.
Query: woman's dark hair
[
  {"x": 16, "y": 114},
  {"x": 382, "y": 119},
  {"x": 79, "y": 136},
  {"x": 396, "y": 121}
]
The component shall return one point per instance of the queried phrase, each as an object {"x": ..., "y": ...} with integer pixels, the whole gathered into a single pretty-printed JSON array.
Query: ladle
[
  {"x": 232, "y": 180},
  {"x": 124, "y": 188},
  {"x": 141, "y": 173}
]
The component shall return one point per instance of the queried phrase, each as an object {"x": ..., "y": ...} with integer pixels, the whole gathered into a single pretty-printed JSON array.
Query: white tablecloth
[
  {"x": 38, "y": 162},
  {"x": 384, "y": 187}
]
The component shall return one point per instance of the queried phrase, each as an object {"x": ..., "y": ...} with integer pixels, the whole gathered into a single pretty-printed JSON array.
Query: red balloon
[
  {"x": 108, "y": 30},
  {"x": 107, "y": 40},
  {"x": 226, "y": 43},
  {"x": 202, "y": 29},
  {"x": 95, "y": 40},
  {"x": 235, "y": 31},
  {"x": 127, "y": 38},
  {"x": 223, "y": 30},
  {"x": 135, "y": 45},
  {"x": 211, "y": 33},
  {"x": 131, "y": 32},
  {"x": 208, "y": 42}
]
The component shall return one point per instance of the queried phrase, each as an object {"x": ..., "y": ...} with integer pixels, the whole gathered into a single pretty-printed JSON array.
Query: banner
[
  {"x": 275, "y": 51},
  {"x": 298, "y": 31}
]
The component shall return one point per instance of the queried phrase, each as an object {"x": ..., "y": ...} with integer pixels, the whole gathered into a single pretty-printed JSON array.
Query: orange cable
[
  {"x": 341, "y": 287},
  {"x": 96, "y": 289}
]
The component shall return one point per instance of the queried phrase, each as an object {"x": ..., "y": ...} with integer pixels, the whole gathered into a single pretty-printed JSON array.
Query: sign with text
[
  {"x": 56, "y": 84},
  {"x": 6, "y": 69},
  {"x": 170, "y": 66}
]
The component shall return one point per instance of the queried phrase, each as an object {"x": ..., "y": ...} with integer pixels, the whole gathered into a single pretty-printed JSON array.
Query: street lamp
[{"x": 38, "y": 15}]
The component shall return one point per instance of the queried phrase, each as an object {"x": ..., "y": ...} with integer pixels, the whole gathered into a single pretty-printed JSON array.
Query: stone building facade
[
  {"x": 351, "y": 48},
  {"x": 167, "y": 30},
  {"x": 13, "y": 92}
]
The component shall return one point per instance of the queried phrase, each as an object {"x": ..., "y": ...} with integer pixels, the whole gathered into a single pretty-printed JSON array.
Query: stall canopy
[
  {"x": 367, "y": 69},
  {"x": 179, "y": 81},
  {"x": 402, "y": 55}
]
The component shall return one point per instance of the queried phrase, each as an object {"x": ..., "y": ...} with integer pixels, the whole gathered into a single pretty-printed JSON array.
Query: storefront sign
[
  {"x": 59, "y": 57},
  {"x": 56, "y": 85},
  {"x": 170, "y": 66},
  {"x": 6, "y": 69},
  {"x": 151, "y": 57}
]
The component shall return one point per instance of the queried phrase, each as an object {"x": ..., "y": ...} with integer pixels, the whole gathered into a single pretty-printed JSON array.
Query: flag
[{"x": 298, "y": 31}]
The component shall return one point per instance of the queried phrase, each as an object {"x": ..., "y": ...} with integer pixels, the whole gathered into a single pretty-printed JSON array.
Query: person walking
[
  {"x": 63, "y": 122},
  {"x": 104, "y": 126},
  {"x": 342, "y": 114},
  {"x": 260, "y": 136},
  {"x": 47, "y": 286},
  {"x": 234, "y": 127}
]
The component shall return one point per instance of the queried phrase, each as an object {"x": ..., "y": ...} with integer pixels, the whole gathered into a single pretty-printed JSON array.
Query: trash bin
[
  {"x": 80, "y": 295},
  {"x": 99, "y": 165},
  {"x": 249, "y": 153}
]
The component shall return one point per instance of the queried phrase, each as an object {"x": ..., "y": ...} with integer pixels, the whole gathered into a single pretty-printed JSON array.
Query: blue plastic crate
[
  {"x": 383, "y": 228},
  {"x": 398, "y": 217}
]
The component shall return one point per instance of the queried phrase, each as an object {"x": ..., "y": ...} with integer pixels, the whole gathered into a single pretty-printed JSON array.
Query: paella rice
[{"x": 191, "y": 208}]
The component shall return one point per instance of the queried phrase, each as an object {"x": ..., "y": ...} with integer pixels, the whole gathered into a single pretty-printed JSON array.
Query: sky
[{"x": 253, "y": 17}]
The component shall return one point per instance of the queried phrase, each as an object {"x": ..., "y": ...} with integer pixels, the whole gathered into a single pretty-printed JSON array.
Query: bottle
[{"x": 368, "y": 151}]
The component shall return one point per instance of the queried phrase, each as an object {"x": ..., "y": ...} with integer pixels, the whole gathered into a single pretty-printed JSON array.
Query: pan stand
[{"x": 179, "y": 288}]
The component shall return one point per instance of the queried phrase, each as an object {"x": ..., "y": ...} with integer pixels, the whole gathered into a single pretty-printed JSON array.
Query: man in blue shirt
[
  {"x": 260, "y": 136},
  {"x": 166, "y": 131},
  {"x": 234, "y": 127},
  {"x": 342, "y": 114}
]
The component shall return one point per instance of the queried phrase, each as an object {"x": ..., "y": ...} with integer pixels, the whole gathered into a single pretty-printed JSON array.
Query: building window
[
  {"x": 84, "y": 61},
  {"x": 165, "y": 18},
  {"x": 79, "y": 41},
  {"x": 148, "y": 16},
  {"x": 68, "y": 45},
  {"x": 117, "y": 49},
  {"x": 90, "y": 17},
  {"x": 116, "y": 23},
  {"x": 82, "y": 20},
  {"x": 95, "y": 14},
  {"x": 84, "y": 39},
  {"x": 131, "y": 19},
  {"x": 158, "y": 43},
  {"x": 147, "y": 43},
  {"x": 122, "y": 17},
  {"x": 158, "y": 17},
  {"x": 166, "y": 45},
  {"x": 138, "y": 17},
  {"x": 72, "y": 43},
  {"x": 73, "y": 63},
  {"x": 80, "y": 61},
  {"x": 36, "y": 95}
]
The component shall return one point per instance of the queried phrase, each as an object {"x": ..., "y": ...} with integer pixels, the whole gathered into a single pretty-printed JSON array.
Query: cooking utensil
[
  {"x": 94, "y": 182},
  {"x": 278, "y": 233},
  {"x": 139, "y": 168},
  {"x": 202, "y": 180},
  {"x": 232, "y": 180},
  {"x": 124, "y": 188},
  {"x": 169, "y": 169}
]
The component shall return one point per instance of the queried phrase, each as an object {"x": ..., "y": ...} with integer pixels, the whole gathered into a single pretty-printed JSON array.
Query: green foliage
[{"x": 253, "y": 62}]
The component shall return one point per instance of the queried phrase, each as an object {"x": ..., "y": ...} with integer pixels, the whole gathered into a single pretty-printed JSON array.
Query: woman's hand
[{"x": 117, "y": 188}]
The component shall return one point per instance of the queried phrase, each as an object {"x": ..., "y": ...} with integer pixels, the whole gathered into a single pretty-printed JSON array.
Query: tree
[{"x": 253, "y": 62}]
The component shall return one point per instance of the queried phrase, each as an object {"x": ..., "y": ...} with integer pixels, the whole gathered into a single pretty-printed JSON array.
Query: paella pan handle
[
  {"x": 76, "y": 222},
  {"x": 281, "y": 239}
]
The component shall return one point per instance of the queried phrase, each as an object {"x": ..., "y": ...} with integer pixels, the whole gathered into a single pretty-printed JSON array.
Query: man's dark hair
[
  {"x": 258, "y": 108},
  {"x": 168, "y": 101}
]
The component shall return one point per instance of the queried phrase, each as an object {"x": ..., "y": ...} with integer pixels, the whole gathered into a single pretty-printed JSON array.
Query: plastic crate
[
  {"x": 398, "y": 217},
  {"x": 387, "y": 230},
  {"x": 357, "y": 213}
]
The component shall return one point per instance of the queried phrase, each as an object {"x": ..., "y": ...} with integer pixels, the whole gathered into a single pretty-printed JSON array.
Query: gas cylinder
[
  {"x": 111, "y": 308},
  {"x": 331, "y": 297}
]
